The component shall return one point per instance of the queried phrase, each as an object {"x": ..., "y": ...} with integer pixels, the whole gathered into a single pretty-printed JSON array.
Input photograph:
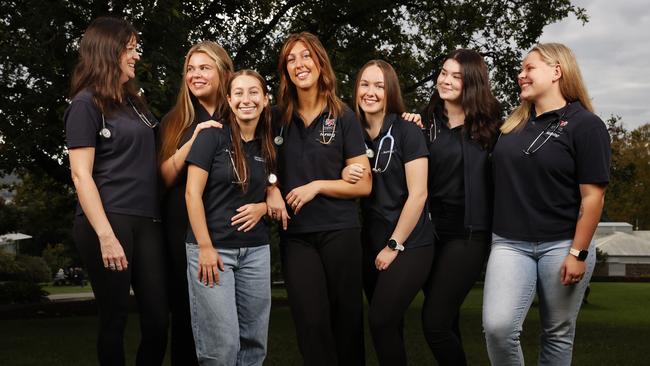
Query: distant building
[
  {"x": 627, "y": 252},
  {"x": 10, "y": 242}
]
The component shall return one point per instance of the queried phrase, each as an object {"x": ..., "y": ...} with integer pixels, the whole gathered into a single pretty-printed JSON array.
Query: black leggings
[
  {"x": 142, "y": 242},
  {"x": 322, "y": 272},
  {"x": 390, "y": 293},
  {"x": 456, "y": 267}
]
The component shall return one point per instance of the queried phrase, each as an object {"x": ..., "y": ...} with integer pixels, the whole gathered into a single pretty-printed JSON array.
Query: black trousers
[
  {"x": 390, "y": 292},
  {"x": 456, "y": 267},
  {"x": 322, "y": 272},
  {"x": 142, "y": 242},
  {"x": 183, "y": 350}
]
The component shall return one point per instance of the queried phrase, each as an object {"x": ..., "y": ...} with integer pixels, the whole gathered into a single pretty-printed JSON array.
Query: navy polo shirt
[
  {"x": 304, "y": 157},
  {"x": 381, "y": 210},
  {"x": 222, "y": 195},
  {"x": 537, "y": 195},
  {"x": 125, "y": 167}
]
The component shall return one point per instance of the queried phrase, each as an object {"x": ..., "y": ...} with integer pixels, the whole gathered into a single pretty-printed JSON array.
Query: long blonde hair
[
  {"x": 287, "y": 93},
  {"x": 572, "y": 87},
  {"x": 182, "y": 115}
]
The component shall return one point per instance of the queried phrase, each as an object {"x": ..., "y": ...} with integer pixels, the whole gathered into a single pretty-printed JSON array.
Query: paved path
[{"x": 78, "y": 296}]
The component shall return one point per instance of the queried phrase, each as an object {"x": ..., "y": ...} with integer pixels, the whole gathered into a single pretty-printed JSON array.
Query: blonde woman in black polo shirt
[
  {"x": 551, "y": 167},
  {"x": 201, "y": 104},
  {"x": 112, "y": 149},
  {"x": 321, "y": 252}
]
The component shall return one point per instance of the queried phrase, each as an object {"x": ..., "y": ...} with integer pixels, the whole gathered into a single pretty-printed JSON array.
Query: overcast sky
[{"x": 613, "y": 50}]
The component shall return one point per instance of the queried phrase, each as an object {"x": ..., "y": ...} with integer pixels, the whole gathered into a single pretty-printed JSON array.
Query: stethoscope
[
  {"x": 272, "y": 178},
  {"x": 433, "y": 130},
  {"x": 550, "y": 130},
  {"x": 279, "y": 139},
  {"x": 106, "y": 133},
  {"x": 370, "y": 153}
]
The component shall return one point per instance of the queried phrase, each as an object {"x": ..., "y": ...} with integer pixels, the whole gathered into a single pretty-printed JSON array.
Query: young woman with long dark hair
[
  {"x": 229, "y": 269},
  {"x": 201, "y": 103},
  {"x": 112, "y": 150},
  {"x": 462, "y": 121}
]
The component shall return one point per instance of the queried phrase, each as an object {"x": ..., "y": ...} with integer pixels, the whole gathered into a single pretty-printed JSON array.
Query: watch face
[
  {"x": 583, "y": 255},
  {"x": 392, "y": 244}
]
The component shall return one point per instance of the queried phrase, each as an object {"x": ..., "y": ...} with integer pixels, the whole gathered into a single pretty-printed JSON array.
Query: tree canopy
[{"x": 39, "y": 40}]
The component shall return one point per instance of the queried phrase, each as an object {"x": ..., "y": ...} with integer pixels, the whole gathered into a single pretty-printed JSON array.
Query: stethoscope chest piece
[
  {"x": 369, "y": 153},
  {"x": 105, "y": 133},
  {"x": 278, "y": 140},
  {"x": 272, "y": 177}
]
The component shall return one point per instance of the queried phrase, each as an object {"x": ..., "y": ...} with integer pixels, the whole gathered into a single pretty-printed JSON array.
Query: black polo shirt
[
  {"x": 381, "y": 210},
  {"x": 303, "y": 158},
  {"x": 174, "y": 200},
  {"x": 447, "y": 175},
  {"x": 222, "y": 196},
  {"x": 125, "y": 167},
  {"x": 537, "y": 195}
]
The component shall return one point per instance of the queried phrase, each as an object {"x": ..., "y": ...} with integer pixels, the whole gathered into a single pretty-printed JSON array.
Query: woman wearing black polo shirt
[
  {"x": 462, "y": 122},
  {"x": 397, "y": 233},
  {"x": 112, "y": 149},
  {"x": 200, "y": 104},
  {"x": 229, "y": 269},
  {"x": 551, "y": 167},
  {"x": 321, "y": 252}
]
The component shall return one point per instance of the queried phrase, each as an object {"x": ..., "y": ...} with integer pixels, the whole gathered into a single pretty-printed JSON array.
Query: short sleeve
[
  {"x": 82, "y": 124},
  {"x": 414, "y": 144},
  {"x": 353, "y": 144},
  {"x": 593, "y": 153},
  {"x": 204, "y": 148}
]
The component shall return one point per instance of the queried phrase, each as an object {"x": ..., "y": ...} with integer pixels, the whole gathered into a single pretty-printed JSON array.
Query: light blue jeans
[
  {"x": 516, "y": 270},
  {"x": 230, "y": 321}
]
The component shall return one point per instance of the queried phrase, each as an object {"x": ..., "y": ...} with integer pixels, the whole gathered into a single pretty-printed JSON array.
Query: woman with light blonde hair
[
  {"x": 551, "y": 167},
  {"x": 200, "y": 104}
]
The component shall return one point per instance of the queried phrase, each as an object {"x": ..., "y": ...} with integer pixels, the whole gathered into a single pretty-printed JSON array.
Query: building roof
[
  {"x": 13, "y": 237},
  {"x": 635, "y": 244}
]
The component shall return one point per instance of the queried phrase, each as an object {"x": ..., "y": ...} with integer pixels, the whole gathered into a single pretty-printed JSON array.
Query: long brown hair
[
  {"x": 287, "y": 93},
  {"x": 182, "y": 114},
  {"x": 571, "y": 84},
  {"x": 98, "y": 67},
  {"x": 392, "y": 93},
  {"x": 264, "y": 130},
  {"x": 482, "y": 110}
]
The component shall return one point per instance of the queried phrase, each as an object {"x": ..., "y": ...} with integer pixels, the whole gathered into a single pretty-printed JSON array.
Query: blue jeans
[
  {"x": 516, "y": 270},
  {"x": 230, "y": 321}
]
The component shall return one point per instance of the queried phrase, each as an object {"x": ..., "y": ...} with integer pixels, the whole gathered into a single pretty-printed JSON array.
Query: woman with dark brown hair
[
  {"x": 462, "y": 124},
  {"x": 201, "y": 103},
  {"x": 229, "y": 260},
  {"x": 321, "y": 251},
  {"x": 397, "y": 232},
  {"x": 112, "y": 150}
]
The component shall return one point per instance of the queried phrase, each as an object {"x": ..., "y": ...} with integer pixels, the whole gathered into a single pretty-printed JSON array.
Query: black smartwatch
[
  {"x": 580, "y": 254},
  {"x": 394, "y": 245}
]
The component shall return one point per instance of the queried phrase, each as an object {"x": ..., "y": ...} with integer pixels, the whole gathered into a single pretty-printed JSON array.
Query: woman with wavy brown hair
[
  {"x": 321, "y": 252},
  {"x": 112, "y": 150},
  {"x": 462, "y": 124},
  {"x": 201, "y": 104}
]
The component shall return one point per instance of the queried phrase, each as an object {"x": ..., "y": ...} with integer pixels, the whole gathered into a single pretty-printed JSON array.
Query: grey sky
[{"x": 613, "y": 50}]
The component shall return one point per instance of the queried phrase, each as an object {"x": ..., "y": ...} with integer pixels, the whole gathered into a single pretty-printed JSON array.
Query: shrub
[
  {"x": 23, "y": 268},
  {"x": 20, "y": 292}
]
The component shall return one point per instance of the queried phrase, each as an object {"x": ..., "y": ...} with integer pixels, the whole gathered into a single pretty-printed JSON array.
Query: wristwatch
[
  {"x": 394, "y": 245},
  {"x": 580, "y": 254}
]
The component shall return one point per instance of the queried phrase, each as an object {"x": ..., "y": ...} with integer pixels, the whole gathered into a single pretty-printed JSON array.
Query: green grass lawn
[
  {"x": 54, "y": 290},
  {"x": 612, "y": 330}
]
